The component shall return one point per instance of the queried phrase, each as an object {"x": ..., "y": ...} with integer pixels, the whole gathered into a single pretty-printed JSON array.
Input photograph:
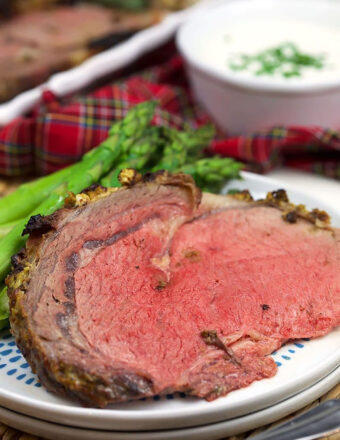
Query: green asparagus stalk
[
  {"x": 4, "y": 308},
  {"x": 135, "y": 122},
  {"x": 89, "y": 170},
  {"x": 7, "y": 227},
  {"x": 183, "y": 145},
  {"x": 13, "y": 241},
  {"x": 140, "y": 153},
  {"x": 193, "y": 141},
  {"x": 29, "y": 195},
  {"x": 211, "y": 173}
]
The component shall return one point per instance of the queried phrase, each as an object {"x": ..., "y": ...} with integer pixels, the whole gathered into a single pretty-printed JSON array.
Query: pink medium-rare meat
[
  {"x": 72, "y": 27},
  {"x": 149, "y": 289},
  {"x": 27, "y": 66},
  {"x": 37, "y": 44},
  {"x": 62, "y": 28}
]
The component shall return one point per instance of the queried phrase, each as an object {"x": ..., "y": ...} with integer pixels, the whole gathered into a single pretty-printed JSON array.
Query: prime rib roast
[
  {"x": 155, "y": 288},
  {"x": 37, "y": 44}
]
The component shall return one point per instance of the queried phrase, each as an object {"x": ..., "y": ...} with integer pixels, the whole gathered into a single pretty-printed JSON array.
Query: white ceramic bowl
[{"x": 241, "y": 104}]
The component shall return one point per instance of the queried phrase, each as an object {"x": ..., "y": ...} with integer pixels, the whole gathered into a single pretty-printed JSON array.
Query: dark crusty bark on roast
[{"x": 153, "y": 289}]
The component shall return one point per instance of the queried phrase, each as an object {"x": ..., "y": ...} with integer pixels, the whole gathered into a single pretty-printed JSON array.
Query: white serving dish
[
  {"x": 302, "y": 364},
  {"x": 241, "y": 104}
]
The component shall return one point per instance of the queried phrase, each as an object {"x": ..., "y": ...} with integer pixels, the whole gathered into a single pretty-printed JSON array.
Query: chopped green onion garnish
[{"x": 285, "y": 60}]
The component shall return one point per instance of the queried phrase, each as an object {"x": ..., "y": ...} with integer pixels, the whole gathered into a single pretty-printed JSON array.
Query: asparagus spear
[
  {"x": 7, "y": 227},
  {"x": 84, "y": 175},
  {"x": 135, "y": 122},
  {"x": 88, "y": 171},
  {"x": 4, "y": 308},
  {"x": 211, "y": 173},
  {"x": 183, "y": 145},
  {"x": 194, "y": 141},
  {"x": 161, "y": 148},
  {"x": 139, "y": 154},
  {"x": 29, "y": 195},
  {"x": 13, "y": 241}
]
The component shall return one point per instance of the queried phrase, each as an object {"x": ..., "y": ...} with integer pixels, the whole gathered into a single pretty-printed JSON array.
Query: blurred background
[{"x": 41, "y": 37}]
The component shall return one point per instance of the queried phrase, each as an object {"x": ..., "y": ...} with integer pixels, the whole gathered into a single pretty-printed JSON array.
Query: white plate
[
  {"x": 312, "y": 190},
  {"x": 212, "y": 432},
  {"x": 302, "y": 364},
  {"x": 320, "y": 187}
]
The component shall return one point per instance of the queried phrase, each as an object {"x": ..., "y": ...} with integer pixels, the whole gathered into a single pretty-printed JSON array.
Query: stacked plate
[{"x": 306, "y": 370}]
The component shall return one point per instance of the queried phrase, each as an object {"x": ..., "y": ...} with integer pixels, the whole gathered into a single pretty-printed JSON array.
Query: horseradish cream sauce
[{"x": 250, "y": 37}]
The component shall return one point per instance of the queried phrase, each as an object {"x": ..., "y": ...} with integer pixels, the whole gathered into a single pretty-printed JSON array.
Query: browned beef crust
[
  {"x": 59, "y": 377},
  {"x": 101, "y": 385}
]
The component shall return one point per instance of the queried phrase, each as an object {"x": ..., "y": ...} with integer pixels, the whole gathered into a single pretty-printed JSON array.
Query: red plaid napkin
[{"x": 58, "y": 132}]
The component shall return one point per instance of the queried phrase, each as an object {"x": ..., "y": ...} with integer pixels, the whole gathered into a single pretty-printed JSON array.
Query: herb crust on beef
[{"x": 154, "y": 228}]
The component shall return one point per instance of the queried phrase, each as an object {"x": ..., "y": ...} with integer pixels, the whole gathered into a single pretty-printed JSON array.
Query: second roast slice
[{"x": 154, "y": 288}]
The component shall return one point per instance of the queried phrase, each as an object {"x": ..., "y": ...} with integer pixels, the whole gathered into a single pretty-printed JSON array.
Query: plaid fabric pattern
[
  {"x": 58, "y": 132},
  {"x": 306, "y": 148}
]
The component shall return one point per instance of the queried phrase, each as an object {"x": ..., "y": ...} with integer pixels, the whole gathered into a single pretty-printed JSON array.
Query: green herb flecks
[{"x": 285, "y": 60}]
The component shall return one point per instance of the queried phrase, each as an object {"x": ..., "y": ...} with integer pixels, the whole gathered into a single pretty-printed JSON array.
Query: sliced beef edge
[
  {"x": 84, "y": 373},
  {"x": 95, "y": 384}
]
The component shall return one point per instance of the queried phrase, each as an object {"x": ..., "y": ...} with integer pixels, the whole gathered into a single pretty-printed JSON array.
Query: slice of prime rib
[
  {"x": 154, "y": 288},
  {"x": 36, "y": 44}
]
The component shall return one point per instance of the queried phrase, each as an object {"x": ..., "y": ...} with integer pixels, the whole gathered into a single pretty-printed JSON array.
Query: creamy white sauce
[{"x": 251, "y": 36}]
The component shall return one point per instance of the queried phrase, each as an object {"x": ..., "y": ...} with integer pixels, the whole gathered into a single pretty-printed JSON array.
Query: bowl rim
[{"x": 248, "y": 83}]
